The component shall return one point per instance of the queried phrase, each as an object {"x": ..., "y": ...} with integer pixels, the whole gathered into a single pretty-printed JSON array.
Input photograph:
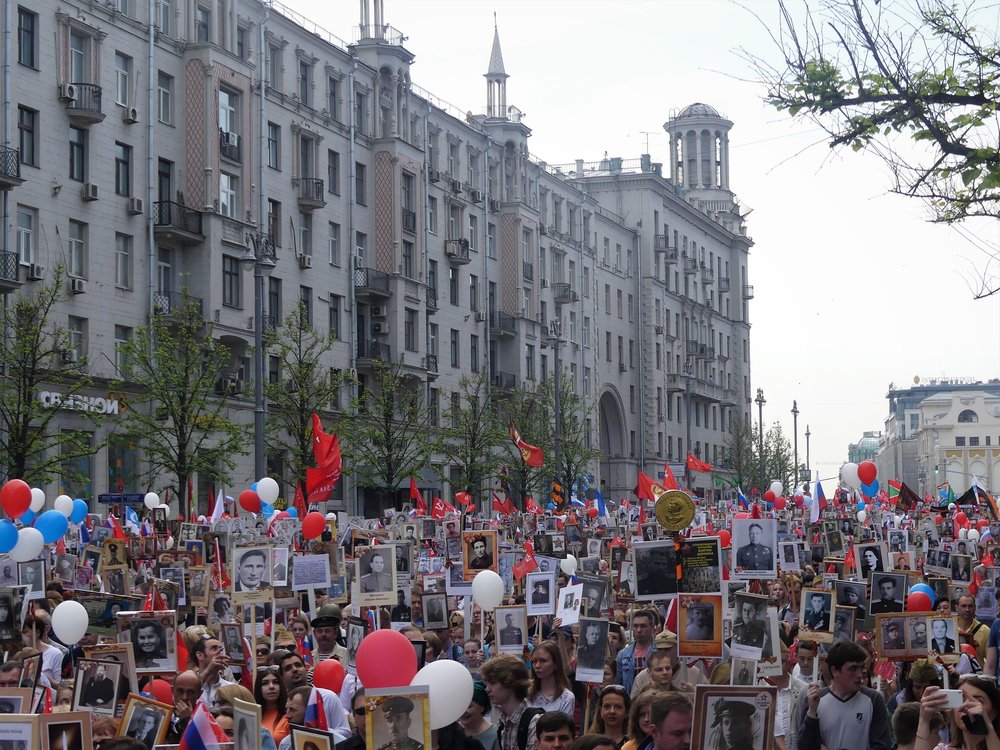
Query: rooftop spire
[{"x": 496, "y": 56}]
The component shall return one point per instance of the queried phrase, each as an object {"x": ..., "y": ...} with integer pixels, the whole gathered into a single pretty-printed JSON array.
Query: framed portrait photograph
[
  {"x": 65, "y": 731},
  {"x": 625, "y": 582},
  {"x": 112, "y": 552},
  {"x": 116, "y": 579},
  {"x": 843, "y": 623},
  {"x": 435, "y": 607},
  {"x": 20, "y": 730},
  {"x": 232, "y": 642},
  {"x": 221, "y": 609},
  {"x": 754, "y": 545},
  {"x": 310, "y": 571},
  {"x": 397, "y": 718},
  {"x": 64, "y": 569},
  {"x": 540, "y": 593},
  {"x": 701, "y": 567},
  {"x": 512, "y": 629},
  {"x": 121, "y": 654},
  {"x": 656, "y": 570},
  {"x": 870, "y": 558},
  {"x": 789, "y": 557},
  {"x": 31, "y": 668},
  {"x": 595, "y": 595},
  {"x": 891, "y": 635},
  {"x": 252, "y": 572},
  {"x": 960, "y": 566},
  {"x": 743, "y": 672},
  {"x": 153, "y": 636},
  {"x": 145, "y": 719},
  {"x": 279, "y": 566},
  {"x": 834, "y": 542},
  {"x": 246, "y": 725},
  {"x": 699, "y": 625},
  {"x": 480, "y": 552},
  {"x": 816, "y": 614},
  {"x": 96, "y": 686},
  {"x": 916, "y": 635},
  {"x": 943, "y": 632},
  {"x": 887, "y": 593},
  {"x": 15, "y": 701},
  {"x": 31, "y": 576},
  {"x": 199, "y": 579},
  {"x": 593, "y": 649},
  {"x": 568, "y": 601},
  {"x": 751, "y": 636},
  {"x": 356, "y": 629},
  {"x": 547, "y": 564},
  {"x": 903, "y": 560},
  {"x": 376, "y": 575},
  {"x": 11, "y": 617},
  {"x": 729, "y": 716},
  {"x": 420, "y": 649}
]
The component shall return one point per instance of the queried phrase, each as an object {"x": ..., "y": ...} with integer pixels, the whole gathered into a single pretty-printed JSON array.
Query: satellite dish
[{"x": 916, "y": 380}]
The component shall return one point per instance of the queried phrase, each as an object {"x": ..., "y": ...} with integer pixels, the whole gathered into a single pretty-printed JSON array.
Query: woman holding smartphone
[{"x": 974, "y": 722}]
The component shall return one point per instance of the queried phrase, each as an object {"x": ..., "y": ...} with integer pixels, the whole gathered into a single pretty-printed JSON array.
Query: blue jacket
[{"x": 625, "y": 663}]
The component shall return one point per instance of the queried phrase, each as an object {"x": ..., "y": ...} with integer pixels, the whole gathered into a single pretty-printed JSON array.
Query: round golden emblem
[{"x": 674, "y": 510}]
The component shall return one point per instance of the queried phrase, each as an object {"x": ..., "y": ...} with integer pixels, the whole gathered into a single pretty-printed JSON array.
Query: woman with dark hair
[
  {"x": 7, "y": 629},
  {"x": 981, "y": 705},
  {"x": 612, "y": 714},
  {"x": 550, "y": 687},
  {"x": 269, "y": 693},
  {"x": 149, "y": 643}
]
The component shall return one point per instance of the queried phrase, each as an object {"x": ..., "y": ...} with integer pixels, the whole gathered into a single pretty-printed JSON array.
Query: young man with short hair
[
  {"x": 507, "y": 684},
  {"x": 846, "y": 714},
  {"x": 294, "y": 675},
  {"x": 555, "y": 731},
  {"x": 632, "y": 659},
  {"x": 670, "y": 720}
]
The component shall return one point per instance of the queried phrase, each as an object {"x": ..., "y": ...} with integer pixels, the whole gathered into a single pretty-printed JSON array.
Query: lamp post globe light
[
  {"x": 554, "y": 340},
  {"x": 760, "y": 401},
  {"x": 259, "y": 255}
]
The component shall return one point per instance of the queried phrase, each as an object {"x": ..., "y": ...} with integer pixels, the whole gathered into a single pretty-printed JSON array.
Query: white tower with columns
[{"x": 699, "y": 151}]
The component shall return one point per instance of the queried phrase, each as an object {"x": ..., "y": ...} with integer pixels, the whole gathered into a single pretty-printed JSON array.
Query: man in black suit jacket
[{"x": 941, "y": 643}]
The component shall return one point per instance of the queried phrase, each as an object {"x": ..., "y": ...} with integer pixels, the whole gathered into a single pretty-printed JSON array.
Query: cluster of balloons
[
  {"x": 25, "y": 504},
  {"x": 862, "y": 476},
  {"x": 262, "y": 492},
  {"x": 920, "y": 598}
]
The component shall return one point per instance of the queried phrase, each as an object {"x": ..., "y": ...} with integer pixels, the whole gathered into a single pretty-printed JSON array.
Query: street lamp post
[
  {"x": 795, "y": 442},
  {"x": 760, "y": 401},
  {"x": 808, "y": 470},
  {"x": 687, "y": 422},
  {"x": 555, "y": 340},
  {"x": 259, "y": 254}
]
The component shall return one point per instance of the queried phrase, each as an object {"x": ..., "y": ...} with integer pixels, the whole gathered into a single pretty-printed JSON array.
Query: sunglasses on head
[{"x": 271, "y": 668}]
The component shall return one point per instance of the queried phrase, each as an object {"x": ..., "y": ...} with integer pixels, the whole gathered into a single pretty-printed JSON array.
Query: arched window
[{"x": 968, "y": 416}]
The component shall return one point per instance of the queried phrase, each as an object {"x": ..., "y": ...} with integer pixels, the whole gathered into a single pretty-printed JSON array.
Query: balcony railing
[
  {"x": 10, "y": 164},
  {"x": 172, "y": 215},
  {"x": 230, "y": 145},
  {"x": 431, "y": 293},
  {"x": 311, "y": 192},
  {"x": 529, "y": 271},
  {"x": 505, "y": 381},
  {"x": 8, "y": 265},
  {"x": 431, "y": 362},
  {"x": 87, "y": 102},
  {"x": 374, "y": 350},
  {"x": 170, "y": 303},
  {"x": 457, "y": 251},
  {"x": 371, "y": 280},
  {"x": 409, "y": 220},
  {"x": 501, "y": 322}
]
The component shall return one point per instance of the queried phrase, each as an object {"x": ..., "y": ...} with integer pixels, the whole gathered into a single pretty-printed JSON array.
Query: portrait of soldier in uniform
[{"x": 397, "y": 712}]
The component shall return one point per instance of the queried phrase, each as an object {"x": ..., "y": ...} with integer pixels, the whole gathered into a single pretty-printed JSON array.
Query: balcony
[
  {"x": 431, "y": 296},
  {"x": 457, "y": 252},
  {"x": 170, "y": 303},
  {"x": 431, "y": 365},
  {"x": 723, "y": 284},
  {"x": 172, "y": 221},
  {"x": 311, "y": 195},
  {"x": 671, "y": 256},
  {"x": 502, "y": 324},
  {"x": 83, "y": 102},
  {"x": 8, "y": 270},
  {"x": 729, "y": 397},
  {"x": 369, "y": 283},
  {"x": 10, "y": 168},
  {"x": 707, "y": 275},
  {"x": 748, "y": 291},
  {"x": 409, "y": 220},
  {"x": 563, "y": 294},
  {"x": 692, "y": 348},
  {"x": 370, "y": 351},
  {"x": 229, "y": 146},
  {"x": 504, "y": 381},
  {"x": 690, "y": 266},
  {"x": 529, "y": 271}
]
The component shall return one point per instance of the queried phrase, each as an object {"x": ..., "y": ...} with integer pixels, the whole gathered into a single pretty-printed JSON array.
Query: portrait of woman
[
  {"x": 149, "y": 643},
  {"x": 8, "y": 628}
]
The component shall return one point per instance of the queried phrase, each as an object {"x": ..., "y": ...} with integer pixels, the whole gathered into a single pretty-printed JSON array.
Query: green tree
[
  {"x": 741, "y": 461},
  {"x": 473, "y": 441},
  {"x": 778, "y": 463},
  {"x": 576, "y": 453},
  {"x": 36, "y": 353},
  {"x": 391, "y": 437},
  {"x": 917, "y": 85},
  {"x": 307, "y": 385},
  {"x": 527, "y": 408},
  {"x": 181, "y": 414}
]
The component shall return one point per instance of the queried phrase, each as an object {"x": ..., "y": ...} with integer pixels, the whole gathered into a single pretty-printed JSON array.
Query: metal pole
[
  {"x": 795, "y": 430},
  {"x": 760, "y": 401},
  {"x": 808, "y": 470},
  {"x": 558, "y": 424},
  {"x": 687, "y": 420},
  {"x": 259, "y": 461}
]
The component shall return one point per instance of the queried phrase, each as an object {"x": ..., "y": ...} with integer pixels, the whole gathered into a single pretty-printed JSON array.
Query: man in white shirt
[
  {"x": 36, "y": 628},
  {"x": 786, "y": 719},
  {"x": 212, "y": 661}
]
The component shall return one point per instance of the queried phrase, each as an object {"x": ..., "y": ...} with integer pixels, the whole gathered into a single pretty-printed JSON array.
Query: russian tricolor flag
[
  {"x": 315, "y": 717},
  {"x": 741, "y": 498},
  {"x": 202, "y": 732},
  {"x": 602, "y": 509}
]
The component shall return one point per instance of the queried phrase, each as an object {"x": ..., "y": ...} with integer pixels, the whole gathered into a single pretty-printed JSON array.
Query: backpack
[{"x": 522, "y": 728}]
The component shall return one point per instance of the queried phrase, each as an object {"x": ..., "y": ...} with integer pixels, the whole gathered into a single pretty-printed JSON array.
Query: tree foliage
[
  {"x": 474, "y": 437},
  {"x": 527, "y": 408},
  {"x": 741, "y": 457},
  {"x": 181, "y": 414},
  {"x": 576, "y": 452},
  {"x": 33, "y": 355},
  {"x": 917, "y": 84}
]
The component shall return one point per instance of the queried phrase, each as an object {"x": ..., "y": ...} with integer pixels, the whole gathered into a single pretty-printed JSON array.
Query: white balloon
[
  {"x": 69, "y": 622},
  {"x": 64, "y": 504},
  {"x": 166, "y": 508},
  {"x": 568, "y": 565},
  {"x": 267, "y": 490},
  {"x": 849, "y": 476},
  {"x": 963, "y": 533},
  {"x": 151, "y": 500},
  {"x": 862, "y": 515},
  {"x": 777, "y": 488},
  {"x": 450, "y": 686},
  {"x": 29, "y": 545},
  {"x": 487, "y": 591},
  {"x": 973, "y": 535},
  {"x": 37, "y": 500},
  {"x": 331, "y": 516}
]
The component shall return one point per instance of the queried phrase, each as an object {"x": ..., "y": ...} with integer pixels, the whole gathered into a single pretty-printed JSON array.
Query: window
[
  {"x": 76, "y": 244},
  {"x": 123, "y": 463},
  {"x": 410, "y": 330},
  {"x": 305, "y": 233},
  {"x": 454, "y": 348},
  {"x": 273, "y": 369},
  {"x": 631, "y": 303},
  {"x": 607, "y": 345},
  {"x": 408, "y": 269},
  {"x": 26, "y": 218},
  {"x": 231, "y": 278},
  {"x": 336, "y": 302},
  {"x": 242, "y": 34},
  {"x": 77, "y": 154},
  {"x": 473, "y": 292},
  {"x": 491, "y": 240},
  {"x": 227, "y": 195},
  {"x": 274, "y": 301},
  {"x": 361, "y": 245},
  {"x": 407, "y": 191},
  {"x": 123, "y": 334},
  {"x": 474, "y": 352},
  {"x": 360, "y": 184},
  {"x": 432, "y": 339},
  {"x": 305, "y": 299},
  {"x": 164, "y": 16},
  {"x": 434, "y": 406},
  {"x": 123, "y": 261},
  {"x": 333, "y": 172},
  {"x": 619, "y": 300},
  {"x": 453, "y": 285},
  {"x": 959, "y": 442},
  {"x": 968, "y": 415},
  {"x": 333, "y": 97},
  {"x": 202, "y": 24},
  {"x": 432, "y": 215},
  {"x": 123, "y": 169},
  {"x": 361, "y": 111},
  {"x": 123, "y": 78},
  {"x": 334, "y": 242},
  {"x": 227, "y": 111},
  {"x": 79, "y": 57},
  {"x": 473, "y": 230},
  {"x": 529, "y": 361},
  {"x": 305, "y": 82},
  {"x": 27, "y": 125},
  {"x": 27, "y": 37},
  {"x": 274, "y": 66},
  {"x": 273, "y": 144},
  {"x": 77, "y": 465},
  {"x": 274, "y": 221},
  {"x": 164, "y": 98},
  {"x": 77, "y": 336}
]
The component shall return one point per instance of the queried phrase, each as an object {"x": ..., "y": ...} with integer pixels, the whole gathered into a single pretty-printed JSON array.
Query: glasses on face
[{"x": 263, "y": 652}]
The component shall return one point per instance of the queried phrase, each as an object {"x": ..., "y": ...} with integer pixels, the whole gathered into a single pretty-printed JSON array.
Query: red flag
[
  {"x": 647, "y": 489},
  {"x": 885, "y": 669},
  {"x": 463, "y": 497},
  {"x": 695, "y": 465},
  {"x": 329, "y": 465},
  {"x": 417, "y": 499},
  {"x": 326, "y": 448},
  {"x": 669, "y": 481},
  {"x": 299, "y": 501},
  {"x": 987, "y": 559},
  {"x": 532, "y": 455},
  {"x": 527, "y": 564},
  {"x": 437, "y": 508},
  {"x": 116, "y": 528},
  {"x": 532, "y": 507},
  {"x": 504, "y": 507}
]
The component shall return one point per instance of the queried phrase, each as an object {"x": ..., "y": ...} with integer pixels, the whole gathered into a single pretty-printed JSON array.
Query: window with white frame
[
  {"x": 491, "y": 239},
  {"x": 27, "y": 37},
  {"x": 26, "y": 220},
  {"x": 305, "y": 82},
  {"x": 164, "y": 98},
  {"x": 76, "y": 245},
  {"x": 77, "y": 335},
  {"x": 432, "y": 215},
  {"x": 333, "y": 97},
  {"x": 123, "y": 79},
  {"x": 305, "y": 233},
  {"x": 227, "y": 195},
  {"x": 274, "y": 66},
  {"x": 473, "y": 230},
  {"x": 227, "y": 111},
  {"x": 165, "y": 16},
  {"x": 80, "y": 51},
  {"x": 273, "y": 145},
  {"x": 123, "y": 261},
  {"x": 202, "y": 24},
  {"x": 334, "y": 243},
  {"x": 123, "y": 334},
  {"x": 123, "y": 169}
]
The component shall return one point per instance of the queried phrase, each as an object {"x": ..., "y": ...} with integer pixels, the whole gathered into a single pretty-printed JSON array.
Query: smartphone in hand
[{"x": 975, "y": 724}]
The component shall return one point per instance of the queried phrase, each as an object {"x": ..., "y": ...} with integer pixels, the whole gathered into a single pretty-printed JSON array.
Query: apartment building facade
[{"x": 144, "y": 154}]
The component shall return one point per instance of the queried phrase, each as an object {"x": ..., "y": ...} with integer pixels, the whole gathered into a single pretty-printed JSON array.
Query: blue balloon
[
  {"x": 8, "y": 536},
  {"x": 293, "y": 512},
  {"x": 550, "y": 506},
  {"x": 80, "y": 509},
  {"x": 923, "y": 588},
  {"x": 861, "y": 504},
  {"x": 266, "y": 509},
  {"x": 52, "y": 524},
  {"x": 254, "y": 486},
  {"x": 28, "y": 517},
  {"x": 807, "y": 500}
]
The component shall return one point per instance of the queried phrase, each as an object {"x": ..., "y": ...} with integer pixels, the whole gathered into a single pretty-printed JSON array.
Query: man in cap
[
  {"x": 510, "y": 634},
  {"x": 397, "y": 711},
  {"x": 893, "y": 636},
  {"x": 700, "y": 622},
  {"x": 735, "y": 722},
  {"x": 481, "y": 558},
  {"x": 326, "y": 631},
  {"x": 540, "y": 592}
]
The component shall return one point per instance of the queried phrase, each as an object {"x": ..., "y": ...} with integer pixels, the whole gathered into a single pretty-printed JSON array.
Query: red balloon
[
  {"x": 329, "y": 674},
  {"x": 725, "y": 538},
  {"x": 162, "y": 691},
  {"x": 982, "y": 523},
  {"x": 938, "y": 518},
  {"x": 592, "y": 513},
  {"x": 312, "y": 526},
  {"x": 961, "y": 519},
  {"x": 780, "y": 503},
  {"x": 386, "y": 659},
  {"x": 769, "y": 496},
  {"x": 918, "y": 601},
  {"x": 15, "y": 498},
  {"x": 250, "y": 501},
  {"x": 799, "y": 501},
  {"x": 867, "y": 472},
  {"x": 741, "y": 515}
]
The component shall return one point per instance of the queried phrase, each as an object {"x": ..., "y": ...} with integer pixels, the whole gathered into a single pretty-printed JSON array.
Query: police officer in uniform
[
  {"x": 755, "y": 556},
  {"x": 397, "y": 718}
]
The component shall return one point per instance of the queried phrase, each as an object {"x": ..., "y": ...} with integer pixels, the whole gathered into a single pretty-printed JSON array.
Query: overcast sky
[{"x": 854, "y": 289}]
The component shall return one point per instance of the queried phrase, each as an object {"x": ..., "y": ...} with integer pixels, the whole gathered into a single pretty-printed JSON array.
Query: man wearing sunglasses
[{"x": 356, "y": 741}]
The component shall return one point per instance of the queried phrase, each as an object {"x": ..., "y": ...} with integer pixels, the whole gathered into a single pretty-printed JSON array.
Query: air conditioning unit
[
  {"x": 36, "y": 272},
  {"x": 70, "y": 356},
  {"x": 542, "y": 230},
  {"x": 379, "y": 311},
  {"x": 622, "y": 367},
  {"x": 67, "y": 91},
  {"x": 495, "y": 206},
  {"x": 480, "y": 317},
  {"x": 232, "y": 386},
  {"x": 380, "y": 329},
  {"x": 77, "y": 286},
  {"x": 545, "y": 283},
  {"x": 89, "y": 191},
  {"x": 434, "y": 175},
  {"x": 231, "y": 139},
  {"x": 456, "y": 186},
  {"x": 658, "y": 329},
  {"x": 476, "y": 196},
  {"x": 305, "y": 261},
  {"x": 359, "y": 262},
  {"x": 135, "y": 206},
  {"x": 131, "y": 115}
]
